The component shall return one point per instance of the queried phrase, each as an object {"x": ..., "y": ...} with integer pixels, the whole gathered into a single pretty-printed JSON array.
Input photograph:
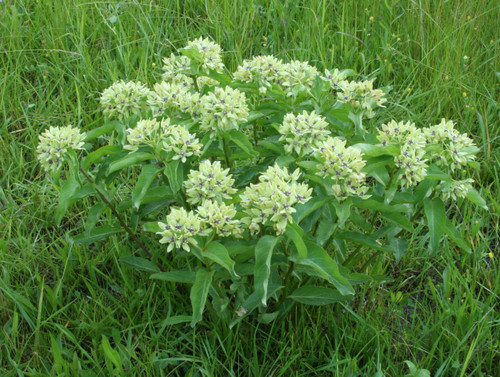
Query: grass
[{"x": 72, "y": 310}]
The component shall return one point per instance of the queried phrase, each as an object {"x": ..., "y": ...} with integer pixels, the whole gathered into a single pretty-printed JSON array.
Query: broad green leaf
[
  {"x": 99, "y": 131},
  {"x": 93, "y": 216},
  {"x": 456, "y": 237},
  {"x": 241, "y": 141},
  {"x": 400, "y": 246},
  {"x": 303, "y": 210},
  {"x": 219, "y": 254},
  {"x": 111, "y": 354},
  {"x": 322, "y": 263},
  {"x": 96, "y": 156},
  {"x": 398, "y": 220},
  {"x": 474, "y": 196},
  {"x": 187, "y": 277},
  {"x": 97, "y": 234},
  {"x": 276, "y": 147},
  {"x": 176, "y": 319},
  {"x": 129, "y": 160},
  {"x": 199, "y": 292},
  {"x": 263, "y": 254},
  {"x": 343, "y": 211},
  {"x": 65, "y": 197},
  {"x": 313, "y": 295},
  {"x": 140, "y": 264},
  {"x": 363, "y": 240},
  {"x": 296, "y": 234},
  {"x": 191, "y": 53},
  {"x": 436, "y": 220},
  {"x": 381, "y": 175},
  {"x": 379, "y": 206},
  {"x": 371, "y": 150},
  {"x": 152, "y": 227},
  {"x": 433, "y": 172},
  {"x": 148, "y": 174},
  {"x": 174, "y": 173}
]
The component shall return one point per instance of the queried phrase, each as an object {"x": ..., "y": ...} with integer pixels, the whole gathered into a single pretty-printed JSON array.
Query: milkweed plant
[{"x": 261, "y": 188}]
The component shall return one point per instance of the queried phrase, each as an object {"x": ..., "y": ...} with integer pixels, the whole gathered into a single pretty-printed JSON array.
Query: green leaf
[
  {"x": 111, "y": 354},
  {"x": 93, "y": 216},
  {"x": 129, "y": 160},
  {"x": 322, "y": 263},
  {"x": 97, "y": 234},
  {"x": 303, "y": 210},
  {"x": 313, "y": 295},
  {"x": 140, "y": 264},
  {"x": 379, "y": 206},
  {"x": 148, "y": 174},
  {"x": 436, "y": 220},
  {"x": 219, "y": 254},
  {"x": 363, "y": 240},
  {"x": 456, "y": 237},
  {"x": 263, "y": 254},
  {"x": 474, "y": 196},
  {"x": 199, "y": 292},
  {"x": 174, "y": 173},
  {"x": 343, "y": 211},
  {"x": 65, "y": 197},
  {"x": 99, "y": 131},
  {"x": 191, "y": 53},
  {"x": 241, "y": 141},
  {"x": 434, "y": 173},
  {"x": 296, "y": 234},
  {"x": 371, "y": 150},
  {"x": 398, "y": 220},
  {"x": 176, "y": 319},
  {"x": 96, "y": 156},
  {"x": 187, "y": 277}
]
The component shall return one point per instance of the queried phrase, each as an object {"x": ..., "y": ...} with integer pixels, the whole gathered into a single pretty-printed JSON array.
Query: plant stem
[
  {"x": 285, "y": 283},
  {"x": 115, "y": 212},
  {"x": 226, "y": 153}
]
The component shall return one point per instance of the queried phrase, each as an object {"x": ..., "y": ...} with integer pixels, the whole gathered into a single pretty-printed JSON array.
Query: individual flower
[
  {"x": 219, "y": 217},
  {"x": 455, "y": 189},
  {"x": 210, "y": 54},
  {"x": 334, "y": 78},
  {"x": 271, "y": 200},
  {"x": 182, "y": 143},
  {"x": 448, "y": 146},
  {"x": 302, "y": 132},
  {"x": 361, "y": 95},
  {"x": 147, "y": 132},
  {"x": 343, "y": 165},
  {"x": 55, "y": 142},
  {"x": 210, "y": 181},
  {"x": 180, "y": 229},
  {"x": 123, "y": 99},
  {"x": 223, "y": 110}
]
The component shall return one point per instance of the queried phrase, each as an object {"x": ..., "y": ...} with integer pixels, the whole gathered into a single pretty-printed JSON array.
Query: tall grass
[{"x": 72, "y": 310}]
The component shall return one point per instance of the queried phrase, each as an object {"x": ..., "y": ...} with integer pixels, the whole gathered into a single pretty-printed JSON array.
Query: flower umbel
[
  {"x": 180, "y": 229},
  {"x": 182, "y": 143},
  {"x": 123, "y": 99},
  {"x": 302, "y": 132},
  {"x": 55, "y": 142},
  {"x": 220, "y": 217}
]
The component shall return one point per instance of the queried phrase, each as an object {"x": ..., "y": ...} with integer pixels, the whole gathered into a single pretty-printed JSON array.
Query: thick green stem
[{"x": 226, "y": 153}]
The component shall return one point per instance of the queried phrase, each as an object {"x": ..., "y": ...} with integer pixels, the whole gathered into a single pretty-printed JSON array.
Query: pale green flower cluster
[
  {"x": 173, "y": 95},
  {"x": 296, "y": 76},
  {"x": 210, "y": 181},
  {"x": 272, "y": 200},
  {"x": 147, "y": 132},
  {"x": 222, "y": 110},
  {"x": 182, "y": 143},
  {"x": 361, "y": 95},
  {"x": 55, "y": 142},
  {"x": 455, "y": 189},
  {"x": 219, "y": 217},
  {"x": 302, "y": 132},
  {"x": 210, "y": 52},
  {"x": 180, "y": 229},
  {"x": 122, "y": 99},
  {"x": 264, "y": 70},
  {"x": 411, "y": 144},
  {"x": 334, "y": 78},
  {"x": 176, "y": 70},
  {"x": 342, "y": 165},
  {"x": 454, "y": 150}
]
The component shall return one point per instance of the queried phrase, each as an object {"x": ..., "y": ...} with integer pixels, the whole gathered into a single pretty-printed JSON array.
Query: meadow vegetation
[{"x": 72, "y": 309}]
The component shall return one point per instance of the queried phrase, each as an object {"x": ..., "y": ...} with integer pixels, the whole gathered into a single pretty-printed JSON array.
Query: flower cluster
[
  {"x": 210, "y": 181},
  {"x": 342, "y": 165},
  {"x": 334, "y": 78},
  {"x": 173, "y": 95},
  {"x": 123, "y": 99},
  {"x": 182, "y": 143},
  {"x": 180, "y": 229},
  {"x": 210, "y": 53},
  {"x": 219, "y": 217},
  {"x": 264, "y": 70},
  {"x": 55, "y": 142},
  {"x": 411, "y": 143},
  {"x": 222, "y": 110},
  {"x": 297, "y": 75},
  {"x": 176, "y": 69},
  {"x": 454, "y": 150},
  {"x": 455, "y": 189},
  {"x": 147, "y": 132},
  {"x": 272, "y": 200},
  {"x": 302, "y": 132},
  {"x": 361, "y": 95}
]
